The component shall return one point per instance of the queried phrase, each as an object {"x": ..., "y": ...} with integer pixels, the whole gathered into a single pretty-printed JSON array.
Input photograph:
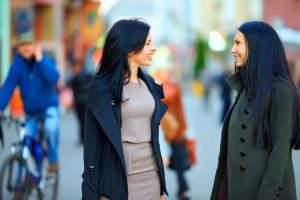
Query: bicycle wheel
[
  {"x": 15, "y": 181},
  {"x": 10, "y": 179},
  {"x": 49, "y": 183}
]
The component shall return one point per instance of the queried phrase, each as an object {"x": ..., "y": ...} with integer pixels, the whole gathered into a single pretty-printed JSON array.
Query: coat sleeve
[
  {"x": 281, "y": 131},
  {"x": 91, "y": 158}
]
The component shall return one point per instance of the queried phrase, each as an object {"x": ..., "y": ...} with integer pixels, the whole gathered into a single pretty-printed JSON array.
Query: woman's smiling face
[
  {"x": 239, "y": 49},
  {"x": 144, "y": 58}
]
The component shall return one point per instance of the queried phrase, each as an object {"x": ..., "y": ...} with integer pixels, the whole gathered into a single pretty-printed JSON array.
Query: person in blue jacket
[{"x": 36, "y": 75}]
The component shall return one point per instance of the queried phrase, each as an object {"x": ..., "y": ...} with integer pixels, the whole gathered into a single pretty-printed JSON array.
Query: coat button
[
  {"x": 277, "y": 194},
  {"x": 243, "y": 126},
  {"x": 249, "y": 99},
  {"x": 242, "y": 140},
  {"x": 246, "y": 112},
  {"x": 280, "y": 188},
  {"x": 92, "y": 168},
  {"x": 242, "y": 154},
  {"x": 113, "y": 102},
  {"x": 242, "y": 169}
]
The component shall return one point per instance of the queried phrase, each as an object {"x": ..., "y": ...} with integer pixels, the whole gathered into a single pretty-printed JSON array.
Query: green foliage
[{"x": 201, "y": 51}]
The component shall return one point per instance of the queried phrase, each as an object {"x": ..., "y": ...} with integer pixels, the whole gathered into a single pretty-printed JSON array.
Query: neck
[{"x": 134, "y": 73}]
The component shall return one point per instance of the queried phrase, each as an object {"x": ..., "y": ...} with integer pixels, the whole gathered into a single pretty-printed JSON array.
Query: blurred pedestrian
[
  {"x": 174, "y": 127},
  {"x": 36, "y": 75},
  {"x": 262, "y": 126},
  {"x": 206, "y": 77},
  {"x": 79, "y": 82},
  {"x": 122, "y": 159},
  {"x": 226, "y": 91}
]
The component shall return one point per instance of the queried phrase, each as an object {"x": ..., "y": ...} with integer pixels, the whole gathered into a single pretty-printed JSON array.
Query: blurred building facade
[
  {"x": 65, "y": 29},
  {"x": 284, "y": 15},
  {"x": 170, "y": 20},
  {"x": 226, "y": 15},
  {"x": 287, "y": 10},
  {"x": 4, "y": 37},
  {"x": 62, "y": 27},
  {"x": 84, "y": 26}
]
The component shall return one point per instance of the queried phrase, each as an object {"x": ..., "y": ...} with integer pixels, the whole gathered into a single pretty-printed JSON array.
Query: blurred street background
[{"x": 195, "y": 37}]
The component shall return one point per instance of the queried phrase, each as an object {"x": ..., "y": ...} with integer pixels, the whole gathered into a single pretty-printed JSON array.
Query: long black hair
[
  {"x": 125, "y": 36},
  {"x": 265, "y": 60}
]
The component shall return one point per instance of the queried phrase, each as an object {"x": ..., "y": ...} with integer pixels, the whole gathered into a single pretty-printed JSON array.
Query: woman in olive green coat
[{"x": 262, "y": 127}]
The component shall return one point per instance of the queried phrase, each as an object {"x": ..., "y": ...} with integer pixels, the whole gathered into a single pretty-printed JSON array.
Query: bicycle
[{"x": 24, "y": 173}]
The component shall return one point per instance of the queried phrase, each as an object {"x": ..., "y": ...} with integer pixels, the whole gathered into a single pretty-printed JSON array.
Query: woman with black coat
[{"x": 122, "y": 158}]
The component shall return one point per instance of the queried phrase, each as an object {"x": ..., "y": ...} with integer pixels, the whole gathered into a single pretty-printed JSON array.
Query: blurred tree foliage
[{"x": 201, "y": 47}]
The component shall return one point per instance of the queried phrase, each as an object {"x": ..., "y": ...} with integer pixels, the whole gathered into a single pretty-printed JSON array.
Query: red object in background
[
  {"x": 191, "y": 148},
  {"x": 16, "y": 104},
  {"x": 97, "y": 55}
]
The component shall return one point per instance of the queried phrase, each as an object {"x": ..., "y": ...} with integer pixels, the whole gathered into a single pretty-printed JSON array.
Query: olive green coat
[{"x": 254, "y": 173}]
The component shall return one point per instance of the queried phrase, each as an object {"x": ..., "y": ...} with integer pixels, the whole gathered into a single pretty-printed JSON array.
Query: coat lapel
[
  {"x": 103, "y": 108},
  {"x": 157, "y": 93},
  {"x": 234, "y": 81}
]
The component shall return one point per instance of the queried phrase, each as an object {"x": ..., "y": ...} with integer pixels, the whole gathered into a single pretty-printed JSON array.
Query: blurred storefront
[
  {"x": 65, "y": 29},
  {"x": 44, "y": 18},
  {"x": 83, "y": 28}
]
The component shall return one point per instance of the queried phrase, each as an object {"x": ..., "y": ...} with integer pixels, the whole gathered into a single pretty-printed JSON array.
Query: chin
[
  {"x": 147, "y": 64},
  {"x": 239, "y": 64}
]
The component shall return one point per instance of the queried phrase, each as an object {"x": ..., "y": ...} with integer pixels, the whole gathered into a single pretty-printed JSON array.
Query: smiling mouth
[{"x": 236, "y": 58}]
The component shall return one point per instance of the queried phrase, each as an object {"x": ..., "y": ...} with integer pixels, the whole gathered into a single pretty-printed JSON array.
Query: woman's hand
[{"x": 162, "y": 197}]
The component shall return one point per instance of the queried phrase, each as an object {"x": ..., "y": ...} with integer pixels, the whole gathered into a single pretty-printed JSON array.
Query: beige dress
[{"x": 142, "y": 173}]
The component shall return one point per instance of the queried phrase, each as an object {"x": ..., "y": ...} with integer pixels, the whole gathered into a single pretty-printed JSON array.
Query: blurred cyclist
[{"x": 36, "y": 75}]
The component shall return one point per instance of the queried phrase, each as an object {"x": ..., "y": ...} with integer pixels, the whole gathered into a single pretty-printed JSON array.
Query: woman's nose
[
  {"x": 232, "y": 50},
  {"x": 154, "y": 47}
]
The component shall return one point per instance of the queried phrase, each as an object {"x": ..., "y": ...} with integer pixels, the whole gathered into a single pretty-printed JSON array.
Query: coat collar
[{"x": 235, "y": 82}]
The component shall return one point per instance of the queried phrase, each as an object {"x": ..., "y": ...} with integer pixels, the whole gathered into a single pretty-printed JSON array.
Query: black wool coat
[{"x": 104, "y": 164}]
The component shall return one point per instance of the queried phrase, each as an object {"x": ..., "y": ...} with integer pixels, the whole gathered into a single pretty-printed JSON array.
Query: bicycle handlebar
[{"x": 19, "y": 122}]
